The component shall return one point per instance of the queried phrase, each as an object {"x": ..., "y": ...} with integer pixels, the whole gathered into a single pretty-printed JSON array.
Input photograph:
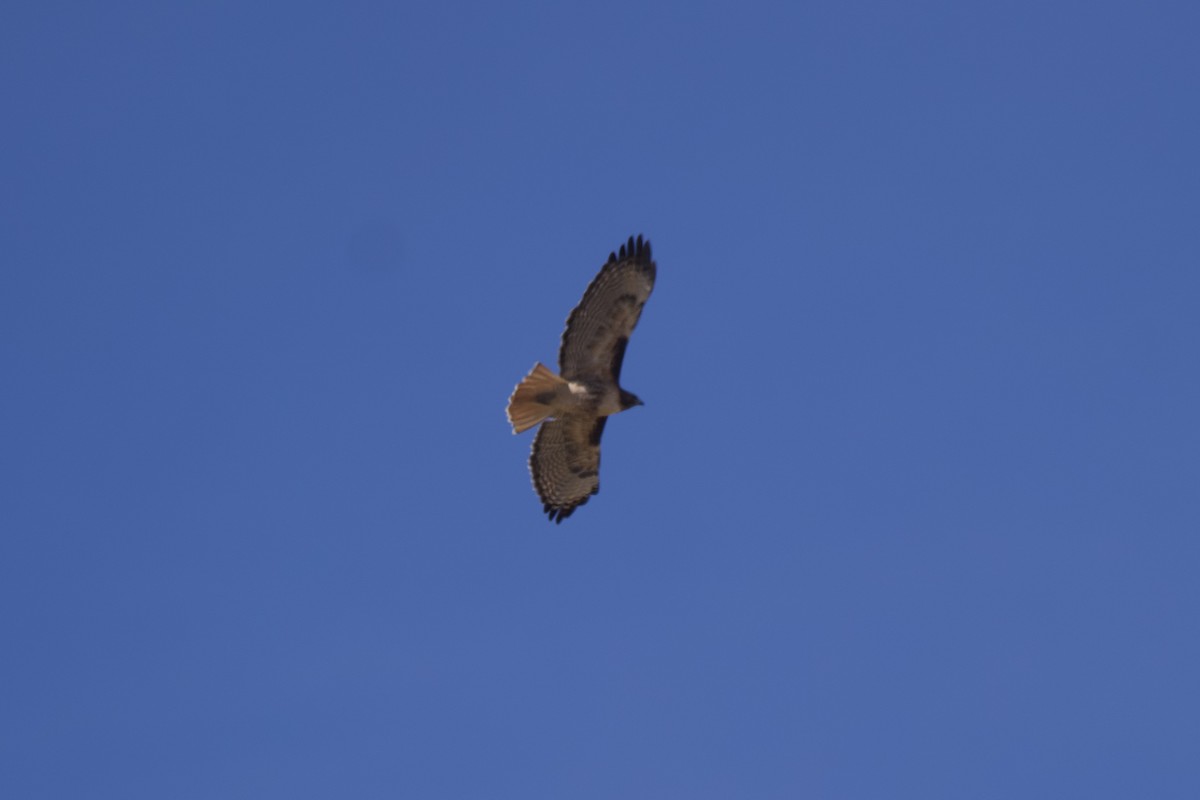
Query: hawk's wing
[
  {"x": 593, "y": 344},
  {"x": 565, "y": 462}
]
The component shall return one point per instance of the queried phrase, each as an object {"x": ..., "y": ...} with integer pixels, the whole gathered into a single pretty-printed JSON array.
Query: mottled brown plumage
[{"x": 573, "y": 406}]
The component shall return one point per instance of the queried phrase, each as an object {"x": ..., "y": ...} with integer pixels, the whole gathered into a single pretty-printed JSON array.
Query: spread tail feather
[{"x": 526, "y": 407}]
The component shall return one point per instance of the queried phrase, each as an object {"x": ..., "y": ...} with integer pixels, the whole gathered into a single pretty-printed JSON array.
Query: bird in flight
[{"x": 573, "y": 406}]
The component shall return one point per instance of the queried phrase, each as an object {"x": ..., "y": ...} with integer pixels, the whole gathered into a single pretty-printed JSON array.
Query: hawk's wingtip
[{"x": 634, "y": 247}]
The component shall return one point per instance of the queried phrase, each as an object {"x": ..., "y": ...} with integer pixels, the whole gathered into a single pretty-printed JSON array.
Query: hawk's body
[{"x": 572, "y": 407}]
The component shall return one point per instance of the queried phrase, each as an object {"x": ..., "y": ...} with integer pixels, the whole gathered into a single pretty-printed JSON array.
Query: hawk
[{"x": 573, "y": 406}]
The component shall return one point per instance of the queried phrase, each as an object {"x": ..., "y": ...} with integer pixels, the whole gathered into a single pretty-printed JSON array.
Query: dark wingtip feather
[
  {"x": 639, "y": 247},
  {"x": 558, "y": 513},
  {"x": 635, "y": 247}
]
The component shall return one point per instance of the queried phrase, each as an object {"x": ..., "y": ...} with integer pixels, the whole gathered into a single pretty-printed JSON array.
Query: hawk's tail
[{"x": 531, "y": 401}]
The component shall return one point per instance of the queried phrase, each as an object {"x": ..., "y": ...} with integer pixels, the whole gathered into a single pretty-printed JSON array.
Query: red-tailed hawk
[{"x": 573, "y": 406}]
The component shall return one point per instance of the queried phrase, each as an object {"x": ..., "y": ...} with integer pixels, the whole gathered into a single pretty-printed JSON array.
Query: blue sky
[{"x": 912, "y": 507}]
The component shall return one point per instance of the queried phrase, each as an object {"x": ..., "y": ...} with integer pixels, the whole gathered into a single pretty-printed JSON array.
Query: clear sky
[{"x": 912, "y": 509}]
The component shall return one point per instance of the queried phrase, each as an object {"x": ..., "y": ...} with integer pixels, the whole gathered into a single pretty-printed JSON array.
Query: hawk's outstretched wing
[
  {"x": 593, "y": 344},
  {"x": 565, "y": 462}
]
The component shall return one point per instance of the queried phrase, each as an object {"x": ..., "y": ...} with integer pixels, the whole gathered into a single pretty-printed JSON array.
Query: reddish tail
[{"x": 532, "y": 400}]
